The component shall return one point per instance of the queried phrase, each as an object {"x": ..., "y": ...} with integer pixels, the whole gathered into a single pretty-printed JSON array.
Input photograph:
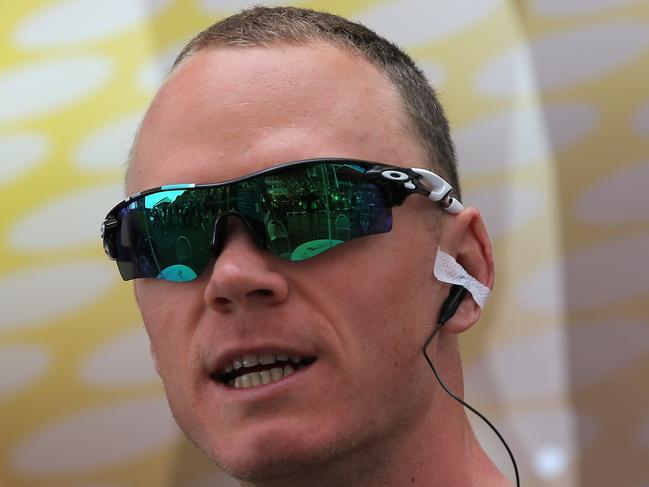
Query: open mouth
[{"x": 261, "y": 369}]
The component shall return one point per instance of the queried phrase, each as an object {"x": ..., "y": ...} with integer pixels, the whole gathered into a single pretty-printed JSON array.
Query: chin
[
  {"x": 276, "y": 454},
  {"x": 272, "y": 463}
]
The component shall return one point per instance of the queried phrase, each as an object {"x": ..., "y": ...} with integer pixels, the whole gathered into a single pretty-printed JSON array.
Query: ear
[{"x": 465, "y": 238}]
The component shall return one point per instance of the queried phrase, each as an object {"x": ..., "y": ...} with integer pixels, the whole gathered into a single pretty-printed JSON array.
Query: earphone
[
  {"x": 448, "y": 309},
  {"x": 451, "y": 303}
]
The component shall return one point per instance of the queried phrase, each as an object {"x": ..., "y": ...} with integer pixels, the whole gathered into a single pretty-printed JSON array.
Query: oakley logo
[
  {"x": 395, "y": 175},
  {"x": 398, "y": 176}
]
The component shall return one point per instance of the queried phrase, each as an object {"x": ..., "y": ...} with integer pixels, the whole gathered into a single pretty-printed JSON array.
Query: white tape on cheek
[{"x": 448, "y": 270}]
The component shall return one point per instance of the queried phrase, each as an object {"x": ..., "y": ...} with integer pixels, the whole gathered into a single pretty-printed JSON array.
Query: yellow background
[{"x": 549, "y": 102}]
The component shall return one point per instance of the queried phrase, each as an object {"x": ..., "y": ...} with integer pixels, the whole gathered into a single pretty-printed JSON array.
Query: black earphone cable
[{"x": 461, "y": 401}]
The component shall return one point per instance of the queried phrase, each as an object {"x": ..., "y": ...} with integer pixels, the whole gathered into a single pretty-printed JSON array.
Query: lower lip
[{"x": 276, "y": 387}]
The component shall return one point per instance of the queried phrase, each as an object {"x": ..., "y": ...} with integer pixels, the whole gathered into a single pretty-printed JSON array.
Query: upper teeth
[{"x": 262, "y": 358}]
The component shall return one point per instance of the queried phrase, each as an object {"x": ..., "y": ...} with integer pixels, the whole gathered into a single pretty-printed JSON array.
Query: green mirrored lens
[
  {"x": 296, "y": 212},
  {"x": 171, "y": 232},
  {"x": 312, "y": 208}
]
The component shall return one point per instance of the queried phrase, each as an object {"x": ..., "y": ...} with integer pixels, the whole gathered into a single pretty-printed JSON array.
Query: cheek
[
  {"x": 383, "y": 324},
  {"x": 169, "y": 316},
  {"x": 399, "y": 285},
  {"x": 170, "y": 320},
  {"x": 384, "y": 291}
]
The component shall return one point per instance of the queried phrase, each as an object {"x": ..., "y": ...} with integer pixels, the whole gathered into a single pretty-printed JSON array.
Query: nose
[{"x": 243, "y": 275}]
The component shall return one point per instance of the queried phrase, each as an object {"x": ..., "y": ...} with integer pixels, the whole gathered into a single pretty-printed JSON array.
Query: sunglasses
[{"x": 296, "y": 211}]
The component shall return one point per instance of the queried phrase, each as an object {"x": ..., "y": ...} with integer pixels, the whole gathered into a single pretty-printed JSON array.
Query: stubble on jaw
[{"x": 349, "y": 460}]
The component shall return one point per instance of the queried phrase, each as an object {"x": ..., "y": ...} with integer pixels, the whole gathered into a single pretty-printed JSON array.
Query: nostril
[
  {"x": 221, "y": 301},
  {"x": 263, "y": 292}
]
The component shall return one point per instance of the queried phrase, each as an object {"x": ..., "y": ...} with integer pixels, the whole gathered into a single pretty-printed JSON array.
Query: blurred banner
[{"x": 549, "y": 102}]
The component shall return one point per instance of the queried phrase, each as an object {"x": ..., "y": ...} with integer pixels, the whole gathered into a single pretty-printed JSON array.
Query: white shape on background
[
  {"x": 511, "y": 74},
  {"x": 125, "y": 360},
  {"x": 563, "y": 8},
  {"x": 566, "y": 58},
  {"x": 593, "y": 277},
  {"x": 543, "y": 365},
  {"x": 574, "y": 56},
  {"x": 505, "y": 208},
  {"x": 218, "y": 6},
  {"x": 409, "y": 22},
  {"x": 550, "y": 461},
  {"x": 80, "y": 21},
  {"x": 434, "y": 72},
  {"x": 43, "y": 87},
  {"x": 108, "y": 147},
  {"x": 621, "y": 197},
  {"x": 35, "y": 295},
  {"x": 20, "y": 366},
  {"x": 20, "y": 153},
  {"x": 569, "y": 123},
  {"x": 521, "y": 136},
  {"x": 103, "y": 437},
  {"x": 558, "y": 428},
  {"x": 153, "y": 73},
  {"x": 72, "y": 220},
  {"x": 530, "y": 434},
  {"x": 504, "y": 140},
  {"x": 641, "y": 120},
  {"x": 526, "y": 369}
]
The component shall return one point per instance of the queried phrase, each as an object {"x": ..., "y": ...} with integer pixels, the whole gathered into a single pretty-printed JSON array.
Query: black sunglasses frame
[{"x": 397, "y": 183}]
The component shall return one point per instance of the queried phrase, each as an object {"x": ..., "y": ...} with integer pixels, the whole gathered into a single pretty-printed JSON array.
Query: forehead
[{"x": 227, "y": 112}]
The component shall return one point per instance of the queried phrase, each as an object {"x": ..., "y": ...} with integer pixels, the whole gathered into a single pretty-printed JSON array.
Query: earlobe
[
  {"x": 467, "y": 315},
  {"x": 465, "y": 238}
]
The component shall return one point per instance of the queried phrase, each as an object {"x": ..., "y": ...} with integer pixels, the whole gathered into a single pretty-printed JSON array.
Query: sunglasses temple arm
[{"x": 441, "y": 191}]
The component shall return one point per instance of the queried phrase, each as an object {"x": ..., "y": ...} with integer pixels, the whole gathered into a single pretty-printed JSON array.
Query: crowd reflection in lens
[{"x": 297, "y": 213}]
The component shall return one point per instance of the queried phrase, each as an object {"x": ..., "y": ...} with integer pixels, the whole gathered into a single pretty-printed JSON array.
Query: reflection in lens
[
  {"x": 170, "y": 232},
  {"x": 296, "y": 212},
  {"x": 312, "y": 208},
  {"x": 312, "y": 248},
  {"x": 177, "y": 273}
]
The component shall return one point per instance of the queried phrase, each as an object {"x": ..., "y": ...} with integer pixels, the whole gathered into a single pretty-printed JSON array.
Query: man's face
[{"x": 362, "y": 309}]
